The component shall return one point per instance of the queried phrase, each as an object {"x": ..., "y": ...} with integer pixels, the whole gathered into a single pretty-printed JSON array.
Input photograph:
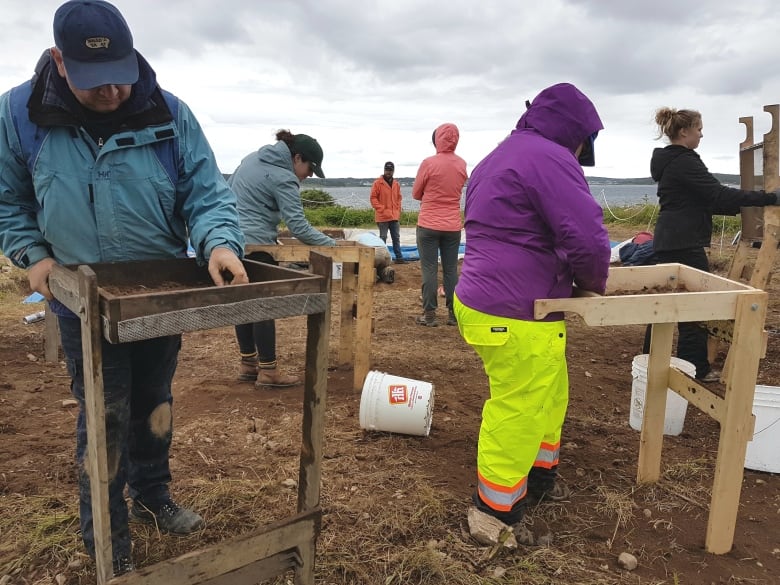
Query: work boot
[
  {"x": 247, "y": 368},
  {"x": 428, "y": 319},
  {"x": 451, "y": 319},
  {"x": 275, "y": 378},
  {"x": 122, "y": 565},
  {"x": 523, "y": 535},
  {"x": 168, "y": 517},
  {"x": 711, "y": 376},
  {"x": 559, "y": 492}
]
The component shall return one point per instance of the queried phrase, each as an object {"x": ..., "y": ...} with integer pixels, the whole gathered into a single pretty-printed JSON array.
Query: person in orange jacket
[{"x": 386, "y": 201}]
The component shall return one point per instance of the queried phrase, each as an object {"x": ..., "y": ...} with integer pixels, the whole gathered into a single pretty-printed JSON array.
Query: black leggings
[{"x": 692, "y": 337}]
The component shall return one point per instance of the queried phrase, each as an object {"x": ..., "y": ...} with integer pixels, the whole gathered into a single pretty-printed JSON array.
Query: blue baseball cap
[{"x": 96, "y": 44}]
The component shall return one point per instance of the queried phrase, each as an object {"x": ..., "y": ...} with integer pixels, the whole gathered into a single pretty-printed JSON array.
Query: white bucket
[
  {"x": 395, "y": 404},
  {"x": 676, "y": 405},
  {"x": 762, "y": 453}
]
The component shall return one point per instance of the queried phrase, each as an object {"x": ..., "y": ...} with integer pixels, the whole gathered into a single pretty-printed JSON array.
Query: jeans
[
  {"x": 430, "y": 244},
  {"x": 258, "y": 337},
  {"x": 395, "y": 235},
  {"x": 137, "y": 380},
  {"x": 692, "y": 337}
]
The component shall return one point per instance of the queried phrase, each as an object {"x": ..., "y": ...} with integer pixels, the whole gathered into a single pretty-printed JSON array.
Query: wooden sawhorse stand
[
  {"x": 354, "y": 340},
  {"x": 694, "y": 296},
  {"x": 760, "y": 225},
  {"x": 277, "y": 548}
]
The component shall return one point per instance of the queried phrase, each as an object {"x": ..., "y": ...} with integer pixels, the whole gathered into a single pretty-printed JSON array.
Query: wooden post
[
  {"x": 346, "y": 325},
  {"x": 651, "y": 440},
  {"x": 365, "y": 300},
  {"x": 51, "y": 332},
  {"x": 313, "y": 429},
  {"x": 736, "y": 428},
  {"x": 96, "y": 460}
]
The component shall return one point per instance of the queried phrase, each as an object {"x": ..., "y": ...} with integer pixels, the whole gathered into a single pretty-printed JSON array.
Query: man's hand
[
  {"x": 226, "y": 268},
  {"x": 38, "y": 275}
]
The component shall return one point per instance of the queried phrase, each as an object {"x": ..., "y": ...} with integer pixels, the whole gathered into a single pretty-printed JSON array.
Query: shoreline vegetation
[
  {"x": 316, "y": 183},
  {"x": 322, "y": 211}
]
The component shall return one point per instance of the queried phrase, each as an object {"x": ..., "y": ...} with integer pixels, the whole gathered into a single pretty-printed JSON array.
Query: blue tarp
[
  {"x": 36, "y": 297},
  {"x": 411, "y": 253}
]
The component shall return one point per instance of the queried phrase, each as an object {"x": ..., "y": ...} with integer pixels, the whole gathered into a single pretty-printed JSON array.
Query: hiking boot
[
  {"x": 275, "y": 378},
  {"x": 167, "y": 518},
  {"x": 123, "y": 565},
  {"x": 428, "y": 319},
  {"x": 247, "y": 369},
  {"x": 711, "y": 376},
  {"x": 451, "y": 319},
  {"x": 523, "y": 535},
  {"x": 559, "y": 492}
]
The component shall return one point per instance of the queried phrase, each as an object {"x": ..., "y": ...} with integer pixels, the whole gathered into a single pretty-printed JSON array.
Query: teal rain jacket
[{"x": 80, "y": 202}]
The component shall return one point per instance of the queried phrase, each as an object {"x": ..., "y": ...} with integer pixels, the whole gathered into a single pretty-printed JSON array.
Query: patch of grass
[{"x": 39, "y": 534}]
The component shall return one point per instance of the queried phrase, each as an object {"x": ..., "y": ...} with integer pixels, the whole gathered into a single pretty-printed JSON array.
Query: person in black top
[{"x": 689, "y": 196}]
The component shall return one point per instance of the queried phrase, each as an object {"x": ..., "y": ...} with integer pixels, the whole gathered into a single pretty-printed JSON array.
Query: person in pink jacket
[
  {"x": 386, "y": 201},
  {"x": 438, "y": 187}
]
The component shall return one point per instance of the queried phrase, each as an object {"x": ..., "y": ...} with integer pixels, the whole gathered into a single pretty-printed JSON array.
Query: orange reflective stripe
[
  {"x": 547, "y": 456},
  {"x": 500, "y": 497}
]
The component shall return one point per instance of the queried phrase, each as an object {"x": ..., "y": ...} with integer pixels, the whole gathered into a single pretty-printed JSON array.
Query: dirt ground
[{"x": 229, "y": 433}]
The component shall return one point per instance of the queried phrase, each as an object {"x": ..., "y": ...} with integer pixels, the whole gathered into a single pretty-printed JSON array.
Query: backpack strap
[
  {"x": 167, "y": 147},
  {"x": 31, "y": 136}
]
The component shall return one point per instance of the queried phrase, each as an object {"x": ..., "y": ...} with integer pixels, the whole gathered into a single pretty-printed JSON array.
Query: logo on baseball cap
[{"x": 96, "y": 44}]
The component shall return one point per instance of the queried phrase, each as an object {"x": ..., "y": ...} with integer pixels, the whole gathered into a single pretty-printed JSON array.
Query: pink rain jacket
[{"x": 439, "y": 183}]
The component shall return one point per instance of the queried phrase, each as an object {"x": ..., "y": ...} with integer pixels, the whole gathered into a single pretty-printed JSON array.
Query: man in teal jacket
[{"x": 100, "y": 165}]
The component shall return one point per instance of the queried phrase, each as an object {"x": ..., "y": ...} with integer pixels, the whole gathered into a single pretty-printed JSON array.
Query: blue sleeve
[
  {"x": 288, "y": 198},
  {"x": 209, "y": 206},
  {"x": 20, "y": 238}
]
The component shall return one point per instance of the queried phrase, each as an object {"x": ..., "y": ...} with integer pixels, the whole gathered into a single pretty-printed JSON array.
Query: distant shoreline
[{"x": 314, "y": 182}]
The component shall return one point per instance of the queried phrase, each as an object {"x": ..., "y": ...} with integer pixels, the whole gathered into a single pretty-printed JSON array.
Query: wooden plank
[
  {"x": 260, "y": 571},
  {"x": 96, "y": 458},
  {"x": 651, "y": 439},
  {"x": 51, "y": 337},
  {"x": 639, "y": 308},
  {"x": 737, "y": 425},
  {"x": 772, "y": 150},
  {"x": 702, "y": 398},
  {"x": 739, "y": 260},
  {"x": 347, "y": 317},
  {"x": 232, "y": 555},
  {"x": 64, "y": 285},
  {"x": 642, "y": 278},
  {"x": 314, "y": 398},
  {"x": 365, "y": 300},
  {"x": 762, "y": 269},
  {"x": 290, "y": 250},
  {"x": 693, "y": 279}
]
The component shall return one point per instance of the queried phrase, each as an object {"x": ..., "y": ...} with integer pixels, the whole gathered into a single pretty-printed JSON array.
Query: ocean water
[{"x": 605, "y": 195}]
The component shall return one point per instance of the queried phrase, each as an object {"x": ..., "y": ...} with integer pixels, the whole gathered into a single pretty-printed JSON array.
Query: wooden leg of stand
[{"x": 651, "y": 440}]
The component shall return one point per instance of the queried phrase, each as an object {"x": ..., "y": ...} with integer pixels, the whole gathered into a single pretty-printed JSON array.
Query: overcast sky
[{"x": 370, "y": 80}]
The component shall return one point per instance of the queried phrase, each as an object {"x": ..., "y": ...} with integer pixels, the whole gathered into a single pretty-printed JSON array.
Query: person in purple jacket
[{"x": 533, "y": 231}]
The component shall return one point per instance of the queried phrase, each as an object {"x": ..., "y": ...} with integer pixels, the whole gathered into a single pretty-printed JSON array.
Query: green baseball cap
[{"x": 310, "y": 151}]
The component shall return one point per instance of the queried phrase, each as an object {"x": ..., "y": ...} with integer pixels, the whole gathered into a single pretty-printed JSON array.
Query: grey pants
[{"x": 431, "y": 244}]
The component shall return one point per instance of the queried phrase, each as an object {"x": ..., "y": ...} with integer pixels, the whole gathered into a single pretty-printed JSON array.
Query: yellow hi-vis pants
[{"x": 525, "y": 362}]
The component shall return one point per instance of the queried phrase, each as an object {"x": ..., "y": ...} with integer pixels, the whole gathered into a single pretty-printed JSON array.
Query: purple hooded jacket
[{"x": 532, "y": 225}]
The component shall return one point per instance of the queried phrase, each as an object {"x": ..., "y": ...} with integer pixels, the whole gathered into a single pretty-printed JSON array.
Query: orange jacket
[
  {"x": 386, "y": 200},
  {"x": 439, "y": 183}
]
